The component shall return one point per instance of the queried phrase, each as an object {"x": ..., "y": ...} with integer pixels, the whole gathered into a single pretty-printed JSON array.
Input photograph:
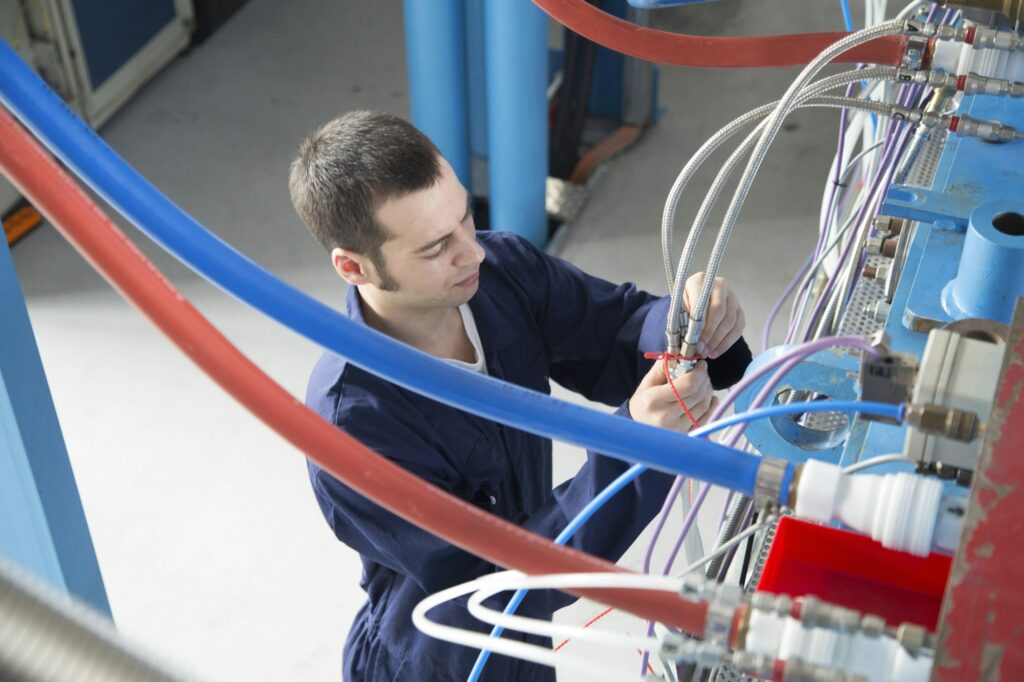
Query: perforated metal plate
[
  {"x": 859, "y": 318},
  {"x": 923, "y": 172}
]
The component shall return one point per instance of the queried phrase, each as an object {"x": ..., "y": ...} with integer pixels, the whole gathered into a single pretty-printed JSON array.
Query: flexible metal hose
[
  {"x": 772, "y": 126},
  {"x": 46, "y": 637},
  {"x": 737, "y": 512},
  {"x": 708, "y": 204},
  {"x": 715, "y": 141}
]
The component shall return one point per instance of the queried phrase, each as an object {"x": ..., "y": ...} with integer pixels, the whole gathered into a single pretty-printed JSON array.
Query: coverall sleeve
[{"x": 596, "y": 332}]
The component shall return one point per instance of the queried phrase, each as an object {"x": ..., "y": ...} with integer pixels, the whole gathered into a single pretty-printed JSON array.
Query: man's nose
[{"x": 470, "y": 250}]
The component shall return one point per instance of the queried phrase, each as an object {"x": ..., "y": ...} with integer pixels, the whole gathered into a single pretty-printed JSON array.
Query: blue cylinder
[
  {"x": 991, "y": 274},
  {"x": 476, "y": 81},
  {"x": 435, "y": 52},
  {"x": 517, "y": 132}
]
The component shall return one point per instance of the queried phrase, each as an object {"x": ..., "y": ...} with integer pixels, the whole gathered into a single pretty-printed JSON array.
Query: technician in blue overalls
[{"x": 377, "y": 194}]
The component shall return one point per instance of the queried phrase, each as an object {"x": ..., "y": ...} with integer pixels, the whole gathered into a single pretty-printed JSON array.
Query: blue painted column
[
  {"x": 515, "y": 34},
  {"x": 42, "y": 524},
  {"x": 435, "y": 51},
  {"x": 476, "y": 81}
]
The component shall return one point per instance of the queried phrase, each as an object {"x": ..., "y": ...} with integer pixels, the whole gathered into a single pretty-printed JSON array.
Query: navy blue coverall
[{"x": 539, "y": 319}]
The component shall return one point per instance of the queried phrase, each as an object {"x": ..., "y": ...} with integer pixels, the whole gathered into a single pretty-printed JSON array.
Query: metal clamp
[
  {"x": 917, "y": 48},
  {"x": 768, "y": 486}
]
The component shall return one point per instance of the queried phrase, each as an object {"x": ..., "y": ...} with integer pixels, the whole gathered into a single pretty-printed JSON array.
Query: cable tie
[{"x": 666, "y": 357}]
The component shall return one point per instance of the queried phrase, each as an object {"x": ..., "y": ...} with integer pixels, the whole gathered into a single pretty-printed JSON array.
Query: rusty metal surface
[{"x": 981, "y": 628}]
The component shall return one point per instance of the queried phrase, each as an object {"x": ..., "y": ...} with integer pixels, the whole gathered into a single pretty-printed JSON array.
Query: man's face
[{"x": 432, "y": 259}]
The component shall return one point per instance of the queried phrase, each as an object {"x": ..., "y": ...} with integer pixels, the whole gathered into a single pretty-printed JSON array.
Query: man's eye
[{"x": 440, "y": 250}]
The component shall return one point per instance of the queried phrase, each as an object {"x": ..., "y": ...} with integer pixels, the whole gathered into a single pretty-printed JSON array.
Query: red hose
[
  {"x": 109, "y": 251},
  {"x": 677, "y": 49}
]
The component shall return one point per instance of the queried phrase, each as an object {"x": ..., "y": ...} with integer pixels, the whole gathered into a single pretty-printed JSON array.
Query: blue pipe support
[
  {"x": 92, "y": 160},
  {"x": 435, "y": 51},
  {"x": 42, "y": 523},
  {"x": 991, "y": 273},
  {"x": 476, "y": 85},
  {"x": 515, "y": 35}
]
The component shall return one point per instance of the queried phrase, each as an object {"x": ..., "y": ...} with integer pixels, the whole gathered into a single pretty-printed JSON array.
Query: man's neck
[{"x": 438, "y": 331}]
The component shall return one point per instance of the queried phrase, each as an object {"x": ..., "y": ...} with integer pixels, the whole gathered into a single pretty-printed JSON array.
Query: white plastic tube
[{"x": 531, "y": 652}]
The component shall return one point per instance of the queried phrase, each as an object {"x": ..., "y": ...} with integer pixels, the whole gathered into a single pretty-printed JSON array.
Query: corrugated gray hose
[{"x": 47, "y": 637}]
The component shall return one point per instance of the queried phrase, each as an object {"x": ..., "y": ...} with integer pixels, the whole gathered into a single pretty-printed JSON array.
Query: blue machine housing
[{"x": 965, "y": 260}]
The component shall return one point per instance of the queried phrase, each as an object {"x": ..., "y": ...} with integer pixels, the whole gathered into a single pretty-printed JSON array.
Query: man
[{"x": 398, "y": 225}]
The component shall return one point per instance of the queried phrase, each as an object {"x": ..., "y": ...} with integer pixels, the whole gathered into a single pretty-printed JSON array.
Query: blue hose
[
  {"x": 847, "y": 17},
  {"x": 628, "y": 476},
  {"x": 82, "y": 150}
]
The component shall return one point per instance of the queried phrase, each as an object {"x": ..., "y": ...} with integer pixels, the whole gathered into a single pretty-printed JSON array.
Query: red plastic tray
[{"x": 853, "y": 570}]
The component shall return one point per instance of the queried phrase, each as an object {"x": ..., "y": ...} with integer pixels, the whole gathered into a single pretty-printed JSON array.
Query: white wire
[
  {"x": 537, "y": 626},
  {"x": 875, "y": 461},
  {"x": 513, "y": 580},
  {"x": 725, "y": 547},
  {"x": 530, "y": 652}
]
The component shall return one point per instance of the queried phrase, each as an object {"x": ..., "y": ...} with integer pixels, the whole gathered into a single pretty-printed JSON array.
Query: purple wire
[
  {"x": 784, "y": 363},
  {"x": 840, "y": 148},
  {"x": 889, "y": 155}
]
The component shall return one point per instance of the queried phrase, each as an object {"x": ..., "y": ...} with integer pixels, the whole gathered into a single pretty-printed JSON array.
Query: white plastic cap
[{"x": 817, "y": 491}]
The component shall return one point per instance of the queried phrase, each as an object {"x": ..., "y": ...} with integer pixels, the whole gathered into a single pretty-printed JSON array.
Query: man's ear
[{"x": 350, "y": 266}]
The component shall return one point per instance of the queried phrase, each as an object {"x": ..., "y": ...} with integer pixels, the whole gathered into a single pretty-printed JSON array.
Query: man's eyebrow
[
  {"x": 431, "y": 245},
  {"x": 469, "y": 206}
]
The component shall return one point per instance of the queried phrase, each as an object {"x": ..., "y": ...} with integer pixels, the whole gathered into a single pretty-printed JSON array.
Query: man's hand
[
  {"x": 723, "y": 320},
  {"x": 653, "y": 402}
]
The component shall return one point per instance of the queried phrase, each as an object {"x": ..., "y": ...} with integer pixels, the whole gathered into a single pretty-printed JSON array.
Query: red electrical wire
[
  {"x": 677, "y": 49},
  {"x": 591, "y": 622},
  {"x": 110, "y": 252}
]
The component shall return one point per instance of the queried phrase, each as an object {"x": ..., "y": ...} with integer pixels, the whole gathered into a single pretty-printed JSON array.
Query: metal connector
[
  {"x": 723, "y": 601},
  {"x": 754, "y": 665},
  {"x": 815, "y": 613},
  {"x": 981, "y": 37},
  {"x": 948, "y": 422},
  {"x": 993, "y": 131},
  {"x": 1013, "y": 9}
]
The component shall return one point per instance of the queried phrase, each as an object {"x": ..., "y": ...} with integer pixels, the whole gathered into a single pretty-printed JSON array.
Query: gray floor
[{"x": 212, "y": 549}]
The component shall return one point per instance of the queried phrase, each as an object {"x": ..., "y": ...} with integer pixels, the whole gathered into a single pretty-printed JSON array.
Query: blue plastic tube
[
  {"x": 89, "y": 157},
  {"x": 631, "y": 474},
  {"x": 847, "y": 16}
]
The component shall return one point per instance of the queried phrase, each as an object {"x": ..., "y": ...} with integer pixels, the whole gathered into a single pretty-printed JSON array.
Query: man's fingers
[
  {"x": 733, "y": 336},
  {"x": 655, "y": 376},
  {"x": 712, "y": 404},
  {"x": 688, "y": 385},
  {"x": 726, "y": 328},
  {"x": 714, "y": 315}
]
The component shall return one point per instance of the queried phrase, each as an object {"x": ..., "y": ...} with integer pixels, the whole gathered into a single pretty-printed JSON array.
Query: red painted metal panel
[{"x": 981, "y": 628}]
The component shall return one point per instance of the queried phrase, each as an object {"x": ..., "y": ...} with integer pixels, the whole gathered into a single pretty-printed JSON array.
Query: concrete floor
[{"x": 213, "y": 551}]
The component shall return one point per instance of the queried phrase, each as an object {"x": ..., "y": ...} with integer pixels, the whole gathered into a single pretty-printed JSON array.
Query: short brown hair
[{"x": 352, "y": 165}]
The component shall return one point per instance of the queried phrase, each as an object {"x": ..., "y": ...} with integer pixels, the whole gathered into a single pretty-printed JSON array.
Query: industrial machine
[{"x": 875, "y": 453}]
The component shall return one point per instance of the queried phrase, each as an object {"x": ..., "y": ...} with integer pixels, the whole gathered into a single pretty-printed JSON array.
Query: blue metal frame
[
  {"x": 974, "y": 178},
  {"x": 42, "y": 523}
]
